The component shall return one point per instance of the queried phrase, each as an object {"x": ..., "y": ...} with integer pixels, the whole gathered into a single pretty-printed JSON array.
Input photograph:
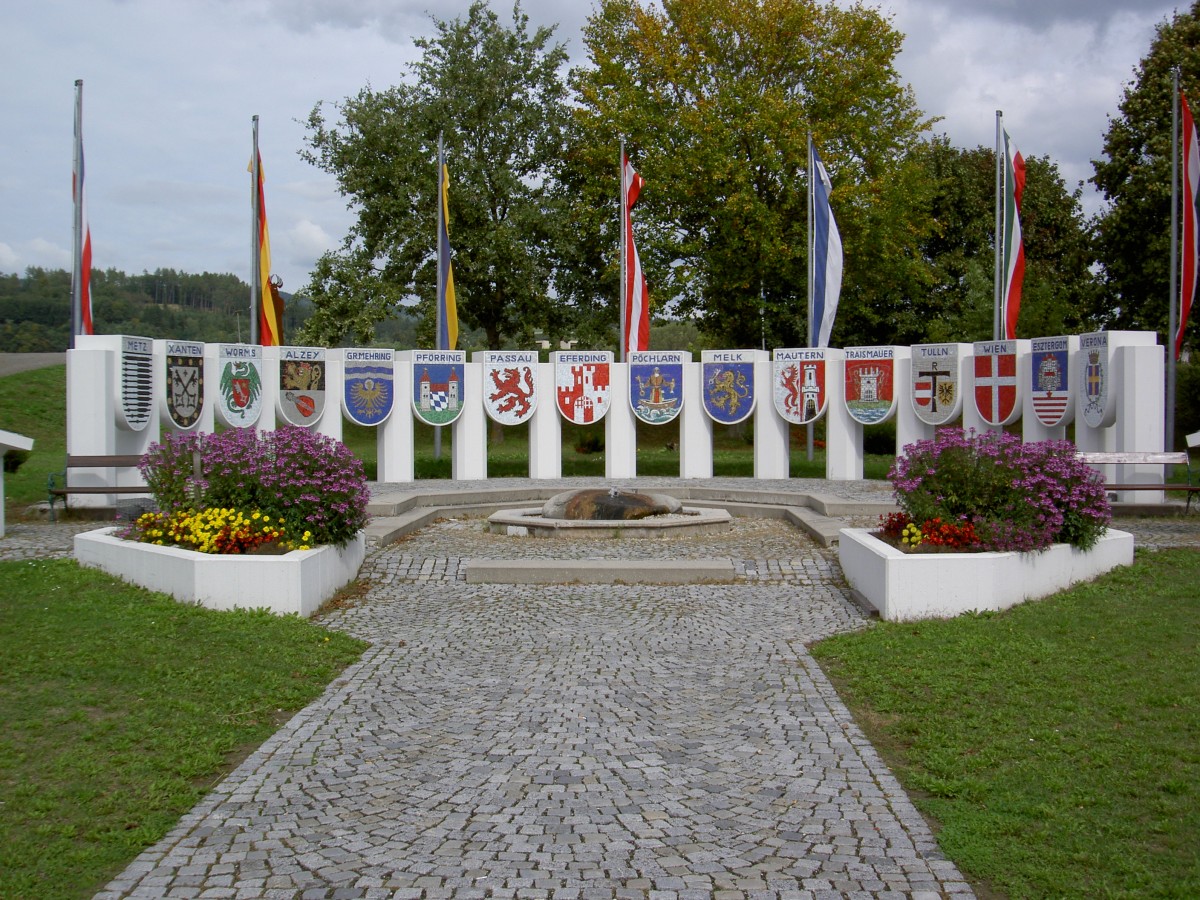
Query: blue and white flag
[{"x": 827, "y": 255}]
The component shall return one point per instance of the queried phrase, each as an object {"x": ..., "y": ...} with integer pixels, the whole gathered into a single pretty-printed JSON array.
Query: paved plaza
[{"x": 578, "y": 741}]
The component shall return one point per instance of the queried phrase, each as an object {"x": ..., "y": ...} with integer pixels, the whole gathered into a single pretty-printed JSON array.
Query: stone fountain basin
[{"x": 688, "y": 521}]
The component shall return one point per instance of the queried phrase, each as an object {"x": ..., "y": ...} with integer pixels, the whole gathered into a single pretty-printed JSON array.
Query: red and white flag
[
  {"x": 1190, "y": 251},
  {"x": 635, "y": 329},
  {"x": 1013, "y": 247},
  {"x": 81, "y": 276}
]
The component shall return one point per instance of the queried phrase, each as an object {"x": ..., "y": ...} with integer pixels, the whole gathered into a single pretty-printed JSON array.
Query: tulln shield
[
  {"x": 369, "y": 386},
  {"x": 510, "y": 385},
  {"x": 656, "y": 384},
  {"x": 870, "y": 384},
  {"x": 936, "y": 397},
  {"x": 438, "y": 377},
  {"x": 996, "y": 389},
  {"x": 798, "y": 382},
  {"x": 184, "y": 383}
]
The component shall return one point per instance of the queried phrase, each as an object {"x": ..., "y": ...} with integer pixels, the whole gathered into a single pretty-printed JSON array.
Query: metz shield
[
  {"x": 935, "y": 395},
  {"x": 581, "y": 385},
  {"x": 870, "y": 384},
  {"x": 368, "y": 391},
  {"x": 799, "y": 384},
  {"x": 727, "y": 384},
  {"x": 184, "y": 383},
  {"x": 136, "y": 383},
  {"x": 301, "y": 385},
  {"x": 656, "y": 385},
  {"x": 1095, "y": 407},
  {"x": 510, "y": 385},
  {"x": 438, "y": 385},
  {"x": 996, "y": 390},
  {"x": 1051, "y": 380}
]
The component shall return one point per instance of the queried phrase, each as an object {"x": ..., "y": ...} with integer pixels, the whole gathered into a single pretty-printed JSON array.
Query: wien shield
[
  {"x": 581, "y": 380},
  {"x": 438, "y": 385},
  {"x": 656, "y": 385},
  {"x": 239, "y": 400},
  {"x": 301, "y": 385},
  {"x": 510, "y": 385},
  {"x": 727, "y": 384},
  {"x": 369, "y": 385},
  {"x": 1051, "y": 382},
  {"x": 996, "y": 389},
  {"x": 936, "y": 398},
  {"x": 1094, "y": 406},
  {"x": 870, "y": 384},
  {"x": 184, "y": 383},
  {"x": 136, "y": 383},
  {"x": 798, "y": 383}
]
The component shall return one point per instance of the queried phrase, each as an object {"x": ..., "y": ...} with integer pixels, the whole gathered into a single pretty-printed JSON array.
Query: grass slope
[
  {"x": 121, "y": 708},
  {"x": 1055, "y": 743}
]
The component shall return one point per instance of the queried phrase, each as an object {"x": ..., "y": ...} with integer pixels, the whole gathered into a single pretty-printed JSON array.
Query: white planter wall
[
  {"x": 294, "y": 583},
  {"x": 904, "y": 586}
]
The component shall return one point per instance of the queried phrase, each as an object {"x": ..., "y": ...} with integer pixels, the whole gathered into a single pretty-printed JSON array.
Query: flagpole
[
  {"x": 255, "y": 238},
  {"x": 997, "y": 300},
  {"x": 441, "y": 281},
  {"x": 1172, "y": 319},
  {"x": 812, "y": 173},
  {"x": 623, "y": 213},
  {"x": 77, "y": 227}
]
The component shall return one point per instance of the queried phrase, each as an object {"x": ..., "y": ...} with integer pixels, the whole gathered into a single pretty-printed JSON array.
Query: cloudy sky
[{"x": 170, "y": 87}]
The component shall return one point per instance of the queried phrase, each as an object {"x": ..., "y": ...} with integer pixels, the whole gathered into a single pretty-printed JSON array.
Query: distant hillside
[{"x": 35, "y": 308}]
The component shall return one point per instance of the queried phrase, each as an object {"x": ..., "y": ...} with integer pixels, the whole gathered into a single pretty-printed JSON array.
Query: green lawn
[
  {"x": 1056, "y": 743},
  {"x": 121, "y": 708}
]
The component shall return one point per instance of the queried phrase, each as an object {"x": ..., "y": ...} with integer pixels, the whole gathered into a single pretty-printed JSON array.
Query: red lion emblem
[{"x": 511, "y": 394}]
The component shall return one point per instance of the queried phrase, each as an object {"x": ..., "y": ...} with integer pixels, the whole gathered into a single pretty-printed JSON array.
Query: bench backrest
[
  {"x": 103, "y": 462},
  {"x": 1131, "y": 457}
]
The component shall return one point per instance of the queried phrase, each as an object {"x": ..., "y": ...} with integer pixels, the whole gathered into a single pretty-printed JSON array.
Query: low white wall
[
  {"x": 903, "y": 586},
  {"x": 294, "y": 583}
]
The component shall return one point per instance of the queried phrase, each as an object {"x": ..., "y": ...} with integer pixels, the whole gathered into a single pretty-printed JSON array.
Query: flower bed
[
  {"x": 903, "y": 585},
  {"x": 298, "y": 582}
]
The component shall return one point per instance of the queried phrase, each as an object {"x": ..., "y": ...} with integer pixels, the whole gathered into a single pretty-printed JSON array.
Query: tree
[
  {"x": 1133, "y": 232},
  {"x": 497, "y": 95},
  {"x": 716, "y": 99},
  {"x": 1059, "y": 287}
]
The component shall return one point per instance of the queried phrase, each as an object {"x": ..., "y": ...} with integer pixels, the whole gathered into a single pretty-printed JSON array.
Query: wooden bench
[
  {"x": 56, "y": 491},
  {"x": 1153, "y": 458}
]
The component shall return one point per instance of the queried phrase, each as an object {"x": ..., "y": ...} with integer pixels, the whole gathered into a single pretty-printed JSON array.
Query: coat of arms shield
[
  {"x": 581, "y": 381},
  {"x": 936, "y": 398},
  {"x": 301, "y": 385},
  {"x": 1095, "y": 406},
  {"x": 184, "y": 383},
  {"x": 727, "y": 384},
  {"x": 996, "y": 390},
  {"x": 136, "y": 384},
  {"x": 1051, "y": 380},
  {"x": 798, "y": 382},
  {"x": 239, "y": 398},
  {"x": 510, "y": 385},
  {"x": 438, "y": 377},
  {"x": 656, "y": 384},
  {"x": 368, "y": 387},
  {"x": 870, "y": 384}
]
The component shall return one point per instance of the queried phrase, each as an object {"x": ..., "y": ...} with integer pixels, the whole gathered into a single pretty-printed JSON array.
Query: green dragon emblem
[{"x": 240, "y": 386}]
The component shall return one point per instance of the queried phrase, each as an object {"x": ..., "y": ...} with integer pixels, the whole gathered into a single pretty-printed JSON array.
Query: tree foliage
[
  {"x": 1133, "y": 233},
  {"x": 497, "y": 95},
  {"x": 716, "y": 99}
]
